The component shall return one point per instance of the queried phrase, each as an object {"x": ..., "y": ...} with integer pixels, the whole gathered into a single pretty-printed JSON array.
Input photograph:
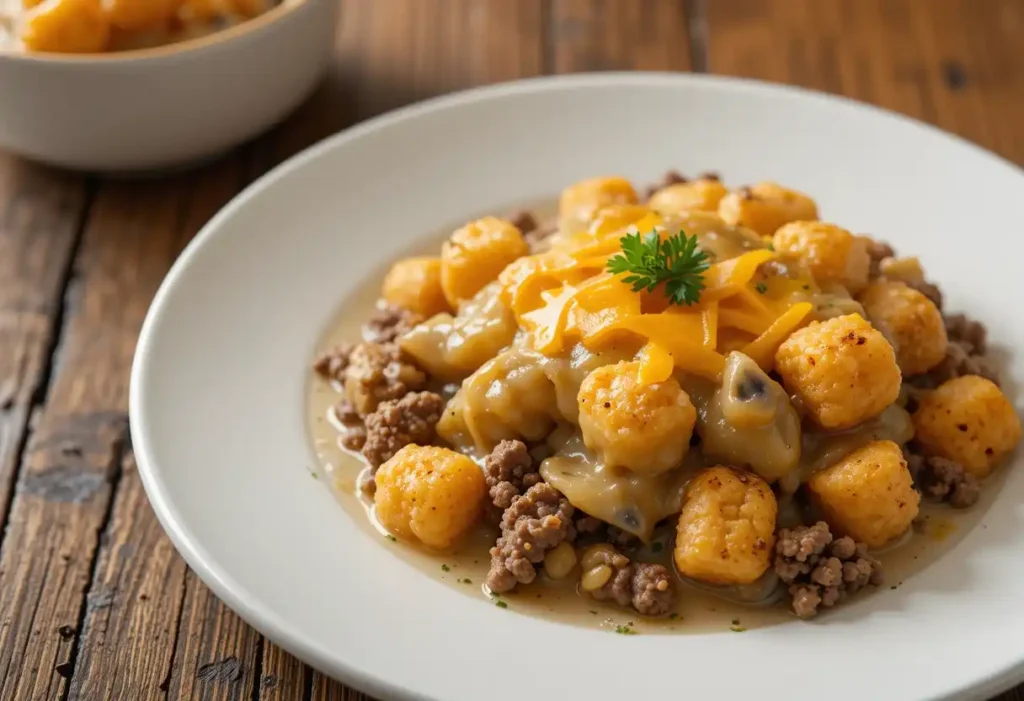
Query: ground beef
[
  {"x": 820, "y": 570},
  {"x": 878, "y": 251},
  {"x": 523, "y": 220},
  {"x": 943, "y": 480},
  {"x": 536, "y": 522},
  {"x": 397, "y": 423},
  {"x": 959, "y": 361},
  {"x": 672, "y": 177},
  {"x": 378, "y": 373},
  {"x": 588, "y": 525},
  {"x": 929, "y": 290},
  {"x": 645, "y": 587},
  {"x": 970, "y": 334},
  {"x": 353, "y": 433},
  {"x": 331, "y": 364},
  {"x": 389, "y": 322},
  {"x": 509, "y": 471}
]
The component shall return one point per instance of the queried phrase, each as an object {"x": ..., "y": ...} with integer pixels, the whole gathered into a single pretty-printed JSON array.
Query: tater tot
[
  {"x": 968, "y": 419},
  {"x": 475, "y": 254},
  {"x": 644, "y": 428},
  {"x": 868, "y": 495},
  {"x": 700, "y": 195},
  {"x": 843, "y": 371},
  {"x": 766, "y": 206},
  {"x": 433, "y": 495},
  {"x": 831, "y": 254},
  {"x": 66, "y": 26},
  {"x": 415, "y": 284},
  {"x": 726, "y": 530},
  {"x": 911, "y": 322},
  {"x": 136, "y": 15},
  {"x": 578, "y": 203}
]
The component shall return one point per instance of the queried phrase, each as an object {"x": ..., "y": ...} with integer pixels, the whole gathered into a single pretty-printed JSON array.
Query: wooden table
[{"x": 94, "y": 602}]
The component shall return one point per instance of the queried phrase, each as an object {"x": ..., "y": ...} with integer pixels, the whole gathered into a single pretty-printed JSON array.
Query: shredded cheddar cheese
[{"x": 565, "y": 296}]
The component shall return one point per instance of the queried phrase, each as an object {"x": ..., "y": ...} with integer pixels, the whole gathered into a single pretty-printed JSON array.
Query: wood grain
[
  {"x": 40, "y": 216},
  {"x": 599, "y": 35},
  {"x": 73, "y": 458},
  {"x": 131, "y": 621}
]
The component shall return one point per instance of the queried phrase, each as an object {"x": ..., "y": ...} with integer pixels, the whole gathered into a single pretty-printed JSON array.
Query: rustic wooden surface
[{"x": 94, "y": 602}]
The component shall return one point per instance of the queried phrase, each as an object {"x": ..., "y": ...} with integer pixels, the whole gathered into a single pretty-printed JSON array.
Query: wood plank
[
  {"x": 73, "y": 458},
  {"x": 284, "y": 678},
  {"x": 135, "y": 600},
  {"x": 598, "y": 35},
  {"x": 40, "y": 216},
  {"x": 956, "y": 63}
]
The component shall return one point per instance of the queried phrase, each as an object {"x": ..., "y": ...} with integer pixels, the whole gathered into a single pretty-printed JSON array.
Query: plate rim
[{"x": 260, "y": 615}]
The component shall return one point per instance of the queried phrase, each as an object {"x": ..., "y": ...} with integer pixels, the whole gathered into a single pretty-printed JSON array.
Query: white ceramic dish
[
  {"x": 164, "y": 107},
  {"x": 217, "y": 400}
]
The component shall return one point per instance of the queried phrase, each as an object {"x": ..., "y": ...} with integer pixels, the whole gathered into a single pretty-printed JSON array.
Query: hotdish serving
[
  {"x": 643, "y": 397},
  {"x": 96, "y": 26}
]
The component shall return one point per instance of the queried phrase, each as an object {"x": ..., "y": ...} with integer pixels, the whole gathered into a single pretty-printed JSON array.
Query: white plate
[{"x": 217, "y": 401}]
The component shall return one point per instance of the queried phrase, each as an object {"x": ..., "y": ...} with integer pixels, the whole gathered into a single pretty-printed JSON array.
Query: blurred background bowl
[{"x": 160, "y": 108}]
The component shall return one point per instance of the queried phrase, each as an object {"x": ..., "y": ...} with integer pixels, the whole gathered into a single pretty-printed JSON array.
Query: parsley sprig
[{"x": 649, "y": 262}]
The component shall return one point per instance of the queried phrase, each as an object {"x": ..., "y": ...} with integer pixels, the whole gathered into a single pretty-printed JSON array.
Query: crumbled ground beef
[
  {"x": 536, "y": 522},
  {"x": 966, "y": 354},
  {"x": 877, "y": 251},
  {"x": 672, "y": 177},
  {"x": 537, "y": 237},
  {"x": 353, "y": 434},
  {"x": 970, "y": 334},
  {"x": 588, "y": 525},
  {"x": 645, "y": 587},
  {"x": 523, "y": 220},
  {"x": 943, "y": 480},
  {"x": 378, "y": 373},
  {"x": 389, "y": 322},
  {"x": 397, "y": 423},
  {"x": 820, "y": 570},
  {"x": 509, "y": 471},
  {"x": 331, "y": 364}
]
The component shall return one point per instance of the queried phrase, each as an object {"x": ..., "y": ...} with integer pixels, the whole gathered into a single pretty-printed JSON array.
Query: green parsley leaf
[
  {"x": 501, "y": 604},
  {"x": 647, "y": 262}
]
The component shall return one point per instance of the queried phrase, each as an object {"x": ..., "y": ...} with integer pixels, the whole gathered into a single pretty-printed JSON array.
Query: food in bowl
[
  {"x": 695, "y": 392},
  {"x": 96, "y": 26}
]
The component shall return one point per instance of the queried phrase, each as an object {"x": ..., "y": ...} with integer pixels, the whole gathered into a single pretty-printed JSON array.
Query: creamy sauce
[{"x": 571, "y": 468}]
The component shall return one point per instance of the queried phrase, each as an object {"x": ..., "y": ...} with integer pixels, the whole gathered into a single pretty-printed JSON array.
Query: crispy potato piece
[
  {"x": 911, "y": 322},
  {"x": 842, "y": 370},
  {"x": 415, "y": 284},
  {"x": 433, "y": 495},
  {"x": 831, "y": 254},
  {"x": 765, "y": 207},
  {"x": 701, "y": 195},
  {"x": 868, "y": 495},
  {"x": 580, "y": 202},
  {"x": 644, "y": 428},
  {"x": 475, "y": 254},
  {"x": 726, "y": 530},
  {"x": 968, "y": 419},
  {"x": 66, "y": 26}
]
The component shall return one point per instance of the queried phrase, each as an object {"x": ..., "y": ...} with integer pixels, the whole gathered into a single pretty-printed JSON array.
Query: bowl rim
[{"x": 279, "y": 12}]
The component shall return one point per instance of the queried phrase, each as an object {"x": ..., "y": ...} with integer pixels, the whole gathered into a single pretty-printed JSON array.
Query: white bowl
[
  {"x": 219, "y": 389},
  {"x": 158, "y": 108}
]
